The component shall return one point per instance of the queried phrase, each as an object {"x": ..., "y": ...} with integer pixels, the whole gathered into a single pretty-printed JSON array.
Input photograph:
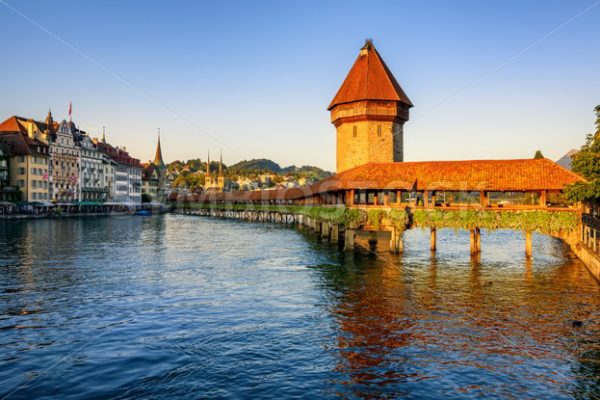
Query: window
[
  {"x": 354, "y": 131},
  {"x": 22, "y": 171},
  {"x": 21, "y": 158}
]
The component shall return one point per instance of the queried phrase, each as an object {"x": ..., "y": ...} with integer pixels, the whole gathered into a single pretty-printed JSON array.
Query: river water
[{"x": 189, "y": 307}]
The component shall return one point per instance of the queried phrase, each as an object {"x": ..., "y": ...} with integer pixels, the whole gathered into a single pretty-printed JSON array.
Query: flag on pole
[{"x": 70, "y": 110}]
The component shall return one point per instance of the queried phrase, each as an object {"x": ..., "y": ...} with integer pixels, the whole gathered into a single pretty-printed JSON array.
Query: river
[{"x": 189, "y": 307}]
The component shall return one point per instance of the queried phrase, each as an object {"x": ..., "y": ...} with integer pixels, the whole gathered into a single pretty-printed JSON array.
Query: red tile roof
[
  {"x": 472, "y": 175},
  {"x": 369, "y": 79},
  {"x": 12, "y": 125}
]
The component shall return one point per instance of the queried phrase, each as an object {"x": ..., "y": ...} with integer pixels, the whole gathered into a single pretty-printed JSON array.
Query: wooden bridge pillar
[
  {"x": 475, "y": 241},
  {"x": 433, "y": 239},
  {"x": 349, "y": 239},
  {"x": 373, "y": 241},
  {"x": 528, "y": 245},
  {"x": 325, "y": 229},
  {"x": 396, "y": 245},
  {"x": 335, "y": 233}
]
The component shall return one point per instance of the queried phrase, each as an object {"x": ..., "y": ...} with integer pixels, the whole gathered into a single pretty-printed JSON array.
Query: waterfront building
[
  {"x": 29, "y": 161},
  {"x": 8, "y": 192},
  {"x": 154, "y": 177},
  {"x": 65, "y": 165},
  {"x": 150, "y": 181},
  {"x": 94, "y": 186},
  {"x": 127, "y": 174},
  {"x": 369, "y": 112}
]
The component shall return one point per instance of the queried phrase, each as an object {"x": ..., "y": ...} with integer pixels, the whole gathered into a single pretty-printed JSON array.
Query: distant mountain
[
  {"x": 249, "y": 167},
  {"x": 565, "y": 161},
  {"x": 255, "y": 166}
]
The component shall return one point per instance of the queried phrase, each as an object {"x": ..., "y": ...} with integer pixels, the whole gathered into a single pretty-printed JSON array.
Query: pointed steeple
[
  {"x": 369, "y": 79},
  {"x": 104, "y": 134},
  {"x": 49, "y": 119},
  {"x": 221, "y": 165},
  {"x": 158, "y": 160},
  {"x": 208, "y": 164}
]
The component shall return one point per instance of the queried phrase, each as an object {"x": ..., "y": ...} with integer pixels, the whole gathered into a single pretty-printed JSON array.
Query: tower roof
[
  {"x": 369, "y": 79},
  {"x": 158, "y": 160}
]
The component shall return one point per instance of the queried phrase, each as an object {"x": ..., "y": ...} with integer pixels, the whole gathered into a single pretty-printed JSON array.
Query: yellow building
[
  {"x": 30, "y": 158},
  {"x": 369, "y": 112}
]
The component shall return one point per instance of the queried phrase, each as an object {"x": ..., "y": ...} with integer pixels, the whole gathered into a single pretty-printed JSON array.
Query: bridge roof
[
  {"x": 369, "y": 79},
  {"x": 472, "y": 175}
]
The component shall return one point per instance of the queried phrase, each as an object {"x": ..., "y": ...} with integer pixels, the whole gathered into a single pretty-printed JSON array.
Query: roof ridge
[{"x": 554, "y": 163}]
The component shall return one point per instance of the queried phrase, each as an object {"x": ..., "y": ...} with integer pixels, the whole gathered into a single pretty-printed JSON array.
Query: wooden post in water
[
  {"x": 528, "y": 246},
  {"x": 349, "y": 239},
  {"x": 478, "y": 240},
  {"x": 473, "y": 242},
  {"x": 373, "y": 241},
  {"x": 433, "y": 239},
  {"x": 325, "y": 229},
  {"x": 335, "y": 233},
  {"x": 396, "y": 245}
]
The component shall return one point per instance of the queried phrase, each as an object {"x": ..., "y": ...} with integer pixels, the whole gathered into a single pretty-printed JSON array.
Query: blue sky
[{"x": 254, "y": 78}]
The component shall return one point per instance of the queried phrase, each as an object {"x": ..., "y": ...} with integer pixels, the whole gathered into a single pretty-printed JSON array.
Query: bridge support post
[
  {"x": 373, "y": 241},
  {"x": 478, "y": 240},
  {"x": 335, "y": 233},
  {"x": 325, "y": 229},
  {"x": 528, "y": 244},
  {"x": 396, "y": 245},
  {"x": 349, "y": 239},
  {"x": 433, "y": 239},
  {"x": 473, "y": 242}
]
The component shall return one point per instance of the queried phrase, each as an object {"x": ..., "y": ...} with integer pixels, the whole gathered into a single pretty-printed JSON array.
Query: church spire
[
  {"x": 104, "y": 134},
  {"x": 221, "y": 165},
  {"x": 208, "y": 164},
  {"x": 158, "y": 160},
  {"x": 49, "y": 119}
]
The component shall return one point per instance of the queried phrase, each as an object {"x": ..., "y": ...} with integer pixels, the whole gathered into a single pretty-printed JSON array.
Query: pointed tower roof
[
  {"x": 221, "y": 165},
  {"x": 369, "y": 79},
  {"x": 158, "y": 160}
]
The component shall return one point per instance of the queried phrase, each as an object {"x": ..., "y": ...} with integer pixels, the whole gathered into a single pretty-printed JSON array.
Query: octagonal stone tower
[{"x": 369, "y": 111}]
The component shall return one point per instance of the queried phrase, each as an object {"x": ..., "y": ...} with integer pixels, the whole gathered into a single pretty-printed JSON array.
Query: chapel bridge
[{"x": 381, "y": 200}]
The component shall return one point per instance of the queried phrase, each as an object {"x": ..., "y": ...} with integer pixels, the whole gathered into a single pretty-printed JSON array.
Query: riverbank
[{"x": 59, "y": 216}]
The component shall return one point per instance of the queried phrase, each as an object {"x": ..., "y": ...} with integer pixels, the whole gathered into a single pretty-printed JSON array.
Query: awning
[{"x": 90, "y": 203}]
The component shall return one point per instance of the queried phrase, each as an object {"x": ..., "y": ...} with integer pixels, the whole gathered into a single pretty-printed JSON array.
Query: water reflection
[
  {"x": 201, "y": 313},
  {"x": 469, "y": 328}
]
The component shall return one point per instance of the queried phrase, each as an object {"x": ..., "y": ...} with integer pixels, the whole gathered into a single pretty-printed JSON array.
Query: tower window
[
  {"x": 354, "y": 131},
  {"x": 378, "y": 130}
]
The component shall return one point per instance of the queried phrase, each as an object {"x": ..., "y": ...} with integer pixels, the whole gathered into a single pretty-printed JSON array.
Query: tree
[
  {"x": 587, "y": 164},
  {"x": 538, "y": 154},
  {"x": 146, "y": 198}
]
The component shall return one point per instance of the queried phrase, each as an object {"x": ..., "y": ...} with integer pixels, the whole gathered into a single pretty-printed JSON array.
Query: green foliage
[
  {"x": 550, "y": 222},
  {"x": 538, "y": 154},
  {"x": 146, "y": 198},
  {"x": 587, "y": 163}
]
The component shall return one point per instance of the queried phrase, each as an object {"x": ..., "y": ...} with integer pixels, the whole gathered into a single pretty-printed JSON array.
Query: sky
[{"x": 488, "y": 79}]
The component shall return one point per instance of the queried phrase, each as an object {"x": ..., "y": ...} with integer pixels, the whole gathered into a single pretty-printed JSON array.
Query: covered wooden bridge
[{"x": 524, "y": 194}]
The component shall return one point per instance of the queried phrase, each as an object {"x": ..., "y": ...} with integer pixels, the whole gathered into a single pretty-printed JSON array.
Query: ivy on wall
[{"x": 549, "y": 222}]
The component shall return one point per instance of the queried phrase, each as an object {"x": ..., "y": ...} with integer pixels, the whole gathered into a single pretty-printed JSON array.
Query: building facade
[
  {"x": 155, "y": 177},
  {"x": 29, "y": 161},
  {"x": 65, "y": 165},
  {"x": 127, "y": 174},
  {"x": 369, "y": 112},
  {"x": 94, "y": 186}
]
